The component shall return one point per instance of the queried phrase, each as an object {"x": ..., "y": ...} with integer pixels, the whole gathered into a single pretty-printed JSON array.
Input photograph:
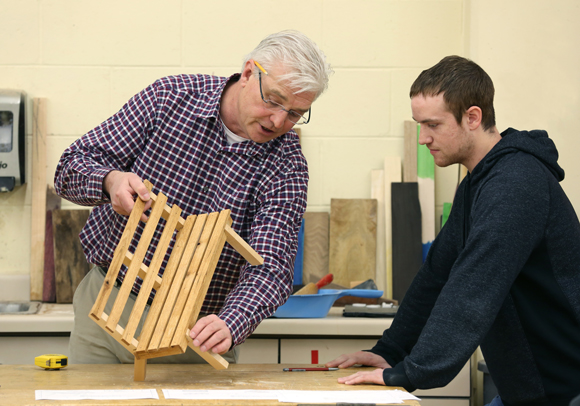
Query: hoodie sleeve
[{"x": 458, "y": 293}]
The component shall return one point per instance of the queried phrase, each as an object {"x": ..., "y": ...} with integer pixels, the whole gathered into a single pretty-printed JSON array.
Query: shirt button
[{"x": 205, "y": 189}]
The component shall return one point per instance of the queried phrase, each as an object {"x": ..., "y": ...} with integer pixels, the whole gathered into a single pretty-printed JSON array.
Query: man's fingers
[
  {"x": 375, "y": 377},
  {"x": 139, "y": 187}
]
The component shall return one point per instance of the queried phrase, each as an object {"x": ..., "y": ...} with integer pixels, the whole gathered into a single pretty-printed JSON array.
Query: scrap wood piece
[
  {"x": 70, "y": 264},
  {"x": 38, "y": 203}
]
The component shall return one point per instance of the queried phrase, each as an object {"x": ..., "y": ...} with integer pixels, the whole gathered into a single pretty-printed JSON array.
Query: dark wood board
[
  {"x": 407, "y": 246},
  {"x": 70, "y": 264},
  {"x": 49, "y": 289}
]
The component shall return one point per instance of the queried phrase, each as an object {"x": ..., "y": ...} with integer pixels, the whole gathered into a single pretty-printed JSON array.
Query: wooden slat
[
  {"x": 154, "y": 268},
  {"x": 392, "y": 173},
  {"x": 242, "y": 247},
  {"x": 378, "y": 192},
  {"x": 215, "y": 360},
  {"x": 410, "y": 158},
  {"x": 199, "y": 290},
  {"x": 140, "y": 369},
  {"x": 168, "y": 279},
  {"x": 38, "y": 203},
  {"x": 117, "y": 334},
  {"x": 119, "y": 257},
  {"x": 142, "y": 270},
  {"x": 157, "y": 341},
  {"x": 140, "y": 253},
  {"x": 167, "y": 211},
  {"x": 163, "y": 352},
  {"x": 188, "y": 282}
]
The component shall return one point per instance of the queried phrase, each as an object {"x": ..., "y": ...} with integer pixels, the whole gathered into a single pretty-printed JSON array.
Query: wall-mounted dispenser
[{"x": 12, "y": 137}]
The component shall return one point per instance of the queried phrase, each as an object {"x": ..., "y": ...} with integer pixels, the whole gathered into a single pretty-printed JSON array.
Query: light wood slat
[
  {"x": 117, "y": 334},
  {"x": 162, "y": 352},
  {"x": 167, "y": 311},
  {"x": 242, "y": 247},
  {"x": 410, "y": 158},
  {"x": 167, "y": 211},
  {"x": 188, "y": 282},
  {"x": 154, "y": 267},
  {"x": 139, "y": 255},
  {"x": 392, "y": 173},
  {"x": 210, "y": 260},
  {"x": 38, "y": 202},
  {"x": 378, "y": 192},
  {"x": 142, "y": 270},
  {"x": 118, "y": 257},
  {"x": 159, "y": 300},
  {"x": 139, "y": 369},
  {"x": 215, "y": 360}
]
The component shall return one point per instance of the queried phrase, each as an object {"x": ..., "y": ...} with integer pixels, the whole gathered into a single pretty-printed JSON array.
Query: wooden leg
[{"x": 140, "y": 369}]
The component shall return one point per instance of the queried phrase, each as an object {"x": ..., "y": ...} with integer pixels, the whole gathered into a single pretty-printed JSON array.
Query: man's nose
[
  {"x": 279, "y": 118},
  {"x": 423, "y": 137}
]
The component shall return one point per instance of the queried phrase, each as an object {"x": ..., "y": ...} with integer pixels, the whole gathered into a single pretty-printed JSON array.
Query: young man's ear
[{"x": 473, "y": 116}]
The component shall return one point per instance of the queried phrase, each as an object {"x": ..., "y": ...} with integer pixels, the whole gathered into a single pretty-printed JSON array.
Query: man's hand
[
  {"x": 211, "y": 333},
  {"x": 122, "y": 187},
  {"x": 375, "y": 377},
  {"x": 359, "y": 357},
  {"x": 363, "y": 358}
]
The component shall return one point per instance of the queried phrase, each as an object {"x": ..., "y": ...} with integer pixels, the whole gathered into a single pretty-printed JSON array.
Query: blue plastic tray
[{"x": 318, "y": 305}]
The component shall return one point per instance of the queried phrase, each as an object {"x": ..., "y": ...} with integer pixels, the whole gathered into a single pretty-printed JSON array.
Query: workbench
[
  {"x": 19, "y": 382},
  {"x": 275, "y": 341}
]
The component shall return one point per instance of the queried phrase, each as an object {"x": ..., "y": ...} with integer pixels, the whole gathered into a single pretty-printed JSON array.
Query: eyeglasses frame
[{"x": 261, "y": 69}]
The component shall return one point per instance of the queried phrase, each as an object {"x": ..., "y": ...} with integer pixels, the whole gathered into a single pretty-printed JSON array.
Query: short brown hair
[{"x": 463, "y": 84}]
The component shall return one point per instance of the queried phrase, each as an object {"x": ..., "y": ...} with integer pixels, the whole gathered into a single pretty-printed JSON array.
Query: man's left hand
[
  {"x": 211, "y": 333},
  {"x": 375, "y": 377}
]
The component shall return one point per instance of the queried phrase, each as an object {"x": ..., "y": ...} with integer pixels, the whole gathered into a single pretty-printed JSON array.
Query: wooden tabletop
[{"x": 19, "y": 382}]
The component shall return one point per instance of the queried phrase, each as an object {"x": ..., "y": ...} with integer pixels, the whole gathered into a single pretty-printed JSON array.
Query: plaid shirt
[{"x": 170, "y": 133}]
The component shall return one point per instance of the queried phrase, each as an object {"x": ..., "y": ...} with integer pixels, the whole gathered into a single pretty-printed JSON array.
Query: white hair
[{"x": 307, "y": 69}]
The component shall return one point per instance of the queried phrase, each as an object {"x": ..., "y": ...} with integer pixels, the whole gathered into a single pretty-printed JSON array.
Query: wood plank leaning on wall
[{"x": 38, "y": 215}]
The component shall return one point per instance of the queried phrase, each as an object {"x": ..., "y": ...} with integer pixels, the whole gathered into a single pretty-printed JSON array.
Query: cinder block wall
[{"x": 87, "y": 58}]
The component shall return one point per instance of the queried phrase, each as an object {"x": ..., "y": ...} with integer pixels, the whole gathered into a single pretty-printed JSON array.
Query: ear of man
[{"x": 473, "y": 117}]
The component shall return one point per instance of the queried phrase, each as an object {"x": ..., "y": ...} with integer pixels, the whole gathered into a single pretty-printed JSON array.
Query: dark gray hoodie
[{"x": 503, "y": 273}]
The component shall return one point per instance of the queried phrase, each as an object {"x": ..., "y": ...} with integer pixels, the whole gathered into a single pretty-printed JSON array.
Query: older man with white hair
[{"x": 209, "y": 143}]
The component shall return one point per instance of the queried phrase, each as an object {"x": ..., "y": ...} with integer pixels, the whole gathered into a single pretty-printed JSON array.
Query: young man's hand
[
  {"x": 362, "y": 358},
  {"x": 122, "y": 187},
  {"x": 211, "y": 333}
]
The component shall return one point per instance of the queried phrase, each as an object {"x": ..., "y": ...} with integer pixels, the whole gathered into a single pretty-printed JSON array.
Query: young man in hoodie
[{"x": 503, "y": 273}]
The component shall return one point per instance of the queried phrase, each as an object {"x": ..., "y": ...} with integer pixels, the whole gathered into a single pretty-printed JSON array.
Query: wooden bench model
[{"x": 179, "y": 292}]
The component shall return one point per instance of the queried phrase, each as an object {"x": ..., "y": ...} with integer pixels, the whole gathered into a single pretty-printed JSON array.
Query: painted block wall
[{"x": 87, "y": 58}]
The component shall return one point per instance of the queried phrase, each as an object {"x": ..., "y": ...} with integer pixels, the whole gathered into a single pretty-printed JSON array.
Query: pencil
[{"x": 308, "y": 369}]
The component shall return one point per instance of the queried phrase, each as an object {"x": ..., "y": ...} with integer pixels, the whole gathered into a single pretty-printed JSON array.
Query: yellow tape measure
[{"x": 51, "y": 361}]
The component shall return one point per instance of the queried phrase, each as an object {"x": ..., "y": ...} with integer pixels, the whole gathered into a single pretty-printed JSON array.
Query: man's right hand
[
  {"x": 359, "y": 357},
  {"x": 122, "y": 187}
]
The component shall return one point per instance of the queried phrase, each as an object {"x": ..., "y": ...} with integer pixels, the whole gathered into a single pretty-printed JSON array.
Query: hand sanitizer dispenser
[{"x": 12, "y": 136}]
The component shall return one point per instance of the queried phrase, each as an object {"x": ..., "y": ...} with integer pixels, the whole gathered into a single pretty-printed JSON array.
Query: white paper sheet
[
  {"x": 113, "y": 394},
  {"x": 291, "y": 396},
  {"x": 219, "y": 394}
]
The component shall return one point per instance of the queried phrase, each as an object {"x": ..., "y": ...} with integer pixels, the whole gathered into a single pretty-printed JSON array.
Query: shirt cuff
[
  {"x": 95, "y": 185},
  {"x": 398, "y": 377}
]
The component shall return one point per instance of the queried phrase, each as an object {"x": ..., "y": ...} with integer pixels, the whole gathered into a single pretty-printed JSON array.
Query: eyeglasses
[{"x": 293, "y": 116}]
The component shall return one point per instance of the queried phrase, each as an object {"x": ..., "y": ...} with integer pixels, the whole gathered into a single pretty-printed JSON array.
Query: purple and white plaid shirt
[{"x": 170, "y": 133}]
